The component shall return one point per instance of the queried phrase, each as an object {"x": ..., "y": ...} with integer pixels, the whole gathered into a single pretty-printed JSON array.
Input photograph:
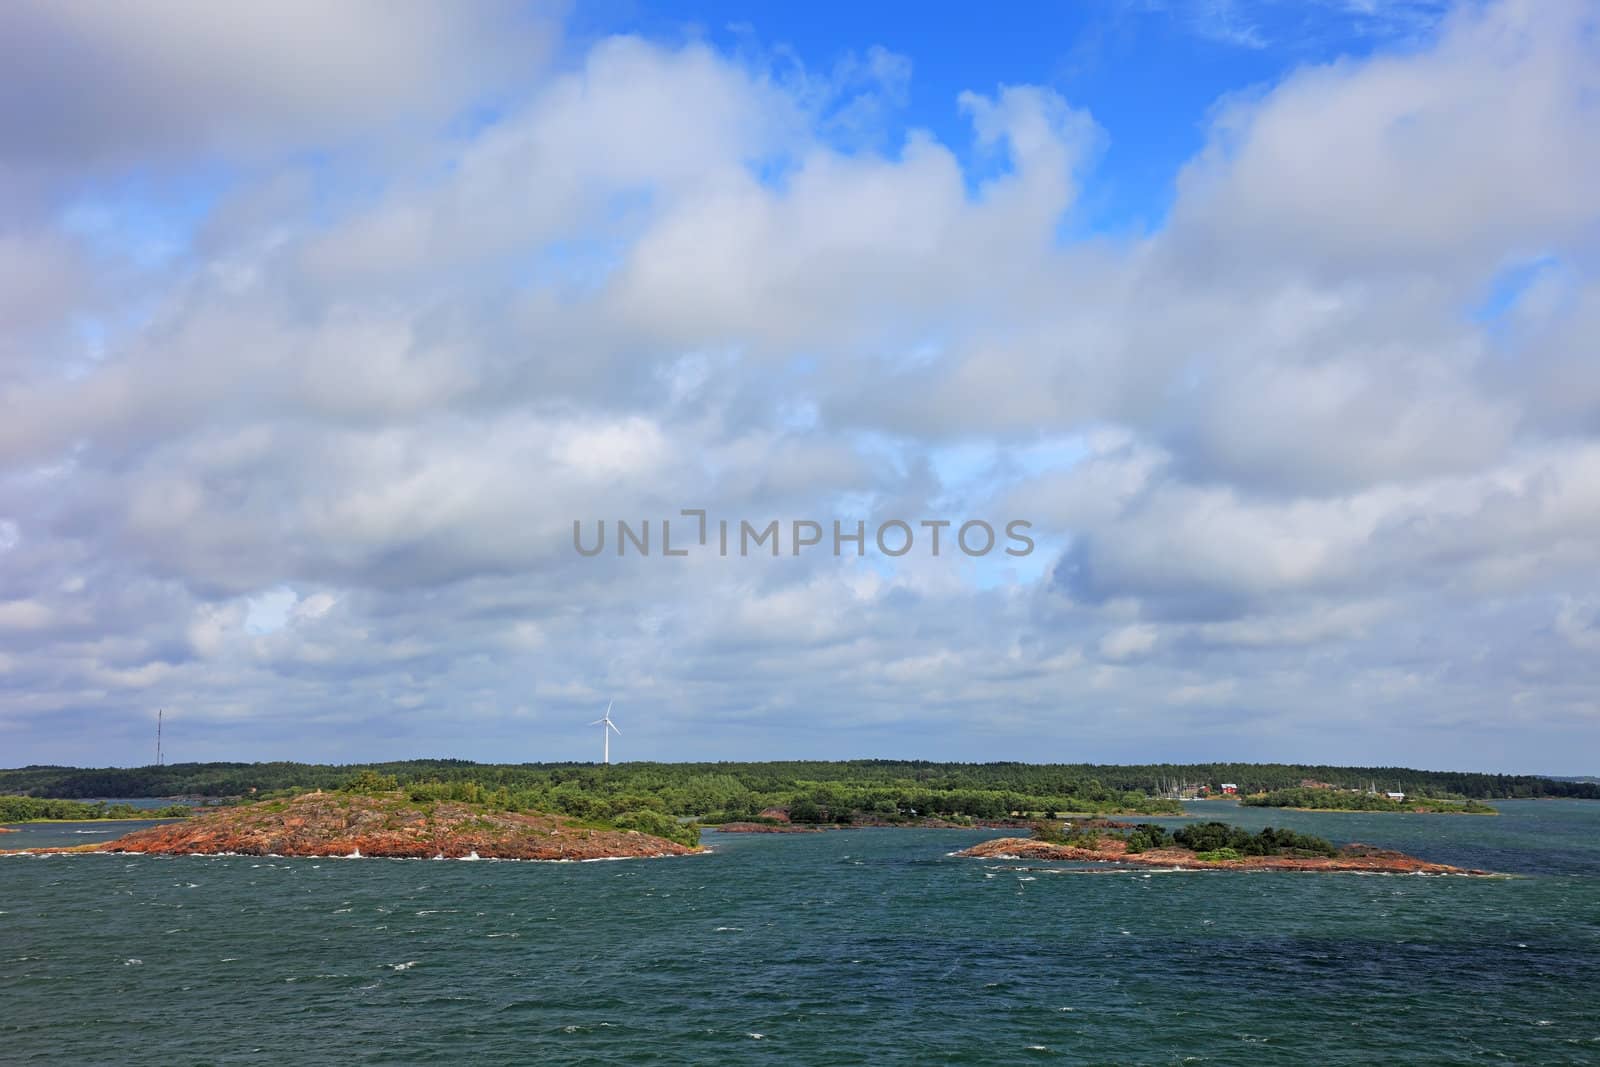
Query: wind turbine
[{"x": 605, "y": 730}]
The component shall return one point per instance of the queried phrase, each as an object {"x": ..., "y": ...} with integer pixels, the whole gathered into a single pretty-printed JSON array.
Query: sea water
[{"x": 854, "y": 946}]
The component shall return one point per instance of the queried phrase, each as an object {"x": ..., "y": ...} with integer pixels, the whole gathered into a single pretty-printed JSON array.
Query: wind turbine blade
[
  {"x": 597, "y": 722},
  {"x": 613, "y": 726}
]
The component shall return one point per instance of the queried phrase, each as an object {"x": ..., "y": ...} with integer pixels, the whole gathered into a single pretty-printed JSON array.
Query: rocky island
[
  {"x": 1211, "y": 846},
  {"x": 390, "y": 825}
]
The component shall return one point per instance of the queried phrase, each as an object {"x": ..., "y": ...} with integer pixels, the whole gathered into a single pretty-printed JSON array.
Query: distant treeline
[
  {"x": 623, "y": 811},
  {"x": 828, "y": 789},
  {"x": 717, "y": 795},
  {"x": 28, "y": 809},
  {"x": 821, "y": 792},
  {"x": 1342, "y": 800}
]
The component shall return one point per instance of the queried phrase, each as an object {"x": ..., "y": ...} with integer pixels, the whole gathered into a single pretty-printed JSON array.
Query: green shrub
[
  {"x": 369, "y": 782},
  {"x": 1217, "y": 855},
  {"x": 657, "y": 824},
  {"x": 1147, "y": 835},
  {"x": 1217, "y": 836}
]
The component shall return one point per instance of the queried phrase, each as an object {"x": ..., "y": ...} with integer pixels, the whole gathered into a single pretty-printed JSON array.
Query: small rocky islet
[
  {"x": 387, "y": 826},
  {"x": 1356, "y": 858}
]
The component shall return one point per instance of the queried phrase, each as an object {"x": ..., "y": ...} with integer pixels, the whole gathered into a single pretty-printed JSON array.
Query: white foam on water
[{"x": 406, "y": 966}]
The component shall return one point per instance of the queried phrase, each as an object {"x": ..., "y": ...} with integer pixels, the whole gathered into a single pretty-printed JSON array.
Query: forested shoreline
[
  {"x": 1348, "y": 800},
  {"x": 43, "y": 809},
  {"x": 812, "y": 791}
]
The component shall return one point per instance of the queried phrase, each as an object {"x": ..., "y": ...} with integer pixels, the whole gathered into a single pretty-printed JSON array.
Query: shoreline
[
  {"x": 747, "y": 826},
  {"x": 1368, "y": 811},
  {"x": 95, "y": 850},
  {"x": 374, "y": 851},
  {"x": 90, "y": 821}
]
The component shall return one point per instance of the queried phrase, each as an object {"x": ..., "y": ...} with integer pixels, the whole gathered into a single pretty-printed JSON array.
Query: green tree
[{"x": 370, "y": 781}]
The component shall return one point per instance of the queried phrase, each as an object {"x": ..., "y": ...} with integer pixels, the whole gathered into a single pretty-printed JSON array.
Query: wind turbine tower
[{"x": 606, "y": 728}]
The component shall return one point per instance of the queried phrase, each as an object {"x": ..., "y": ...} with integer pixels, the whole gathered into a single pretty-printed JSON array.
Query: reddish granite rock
[
  {"x": 766, "y": 828},
  {"x": 387, "y": 825},
  {"x": 1110, "y": 849}
]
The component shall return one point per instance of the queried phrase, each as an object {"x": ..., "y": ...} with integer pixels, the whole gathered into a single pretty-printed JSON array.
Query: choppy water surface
[{"x": 866, "y": 946}]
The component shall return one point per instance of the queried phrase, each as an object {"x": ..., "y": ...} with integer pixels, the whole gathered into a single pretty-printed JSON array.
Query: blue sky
[
  {"x": 1151, "y": 72},
  {"x": 1274, "y": 320}
]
